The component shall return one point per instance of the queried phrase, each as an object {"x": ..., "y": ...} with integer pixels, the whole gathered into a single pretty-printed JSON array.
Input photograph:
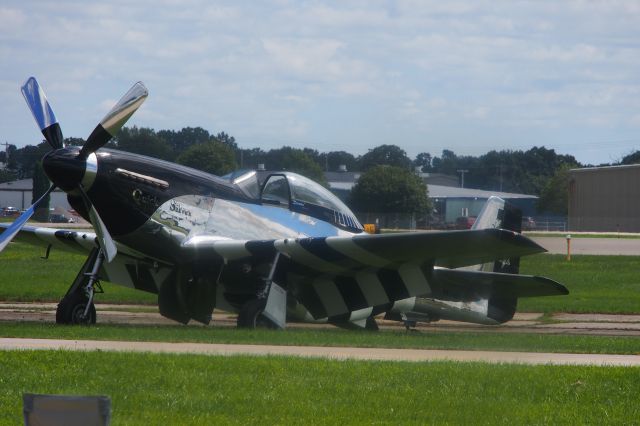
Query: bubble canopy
[{"x": 299, "y": 194}]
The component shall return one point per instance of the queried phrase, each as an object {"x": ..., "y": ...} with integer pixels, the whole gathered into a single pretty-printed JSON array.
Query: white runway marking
[{"x": 413, "y": 355}]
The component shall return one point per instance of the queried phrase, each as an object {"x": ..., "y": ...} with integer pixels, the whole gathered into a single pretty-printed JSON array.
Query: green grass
[
  {"x": 333, "y": 337},
  {"x": 26, "y": 277},
  {"x": 603, "y": 284},
  {"x": 196, "y": 390}
]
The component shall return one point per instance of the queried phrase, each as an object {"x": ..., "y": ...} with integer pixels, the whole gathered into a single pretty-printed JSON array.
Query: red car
[{"x": 465, "y": 222}]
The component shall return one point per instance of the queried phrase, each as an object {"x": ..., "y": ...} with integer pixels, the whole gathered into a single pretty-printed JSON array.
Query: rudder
[{"x": 497, "y": 213}]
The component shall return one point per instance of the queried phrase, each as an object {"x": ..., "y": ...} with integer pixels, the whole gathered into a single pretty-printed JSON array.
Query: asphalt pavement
[{"x": 588, "y": 245}]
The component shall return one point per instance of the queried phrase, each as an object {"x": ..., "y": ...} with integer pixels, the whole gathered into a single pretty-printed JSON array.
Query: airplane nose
[{"x": 65, "y": 169}]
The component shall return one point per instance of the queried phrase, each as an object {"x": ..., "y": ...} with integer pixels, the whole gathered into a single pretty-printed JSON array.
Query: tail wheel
[
  {"x": 250, "y": 315},
  {"x": 71, "y": 310}
]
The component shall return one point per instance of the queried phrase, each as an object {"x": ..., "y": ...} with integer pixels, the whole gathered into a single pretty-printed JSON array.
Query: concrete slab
[
  {"x": 413, "y": 355},
  {"x": 598, "y": 246},
  {"x": 597, "y": 317}
]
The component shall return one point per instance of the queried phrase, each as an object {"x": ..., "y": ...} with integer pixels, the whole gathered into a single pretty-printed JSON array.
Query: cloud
[{"x": 356, "y": 72}]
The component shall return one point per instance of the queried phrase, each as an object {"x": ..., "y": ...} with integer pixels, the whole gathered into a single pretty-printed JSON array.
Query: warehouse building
[
  {"x": 605, "y": 199},
  {"x": 18, "y": 194},
  {"x": 450, "y": 202},
  {"x": 454, "y": 202}
]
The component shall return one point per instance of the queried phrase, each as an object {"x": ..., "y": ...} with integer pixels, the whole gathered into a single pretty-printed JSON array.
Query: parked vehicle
[
  {"x": 60, "y": 218},
  {"x": 528, "y": 223},
  {"x": 465, "y": 222},
  {"x": 10, "y": 212}
]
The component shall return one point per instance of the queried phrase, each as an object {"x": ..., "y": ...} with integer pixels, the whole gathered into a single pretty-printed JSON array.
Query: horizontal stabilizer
[{"x": 507, "y": 285}]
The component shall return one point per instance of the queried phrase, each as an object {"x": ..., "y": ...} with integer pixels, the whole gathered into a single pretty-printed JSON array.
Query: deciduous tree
[
  {"x": 390, "y": 189},
  {"x": 554, "y": 197},
  {"x": 388, "y": 155},
  {"x": 212, "y": 157},
  {"x": 144, "y": 141}
]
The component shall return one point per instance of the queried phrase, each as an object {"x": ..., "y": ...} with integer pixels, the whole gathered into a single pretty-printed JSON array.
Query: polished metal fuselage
[{"x": 186, "y": 216}]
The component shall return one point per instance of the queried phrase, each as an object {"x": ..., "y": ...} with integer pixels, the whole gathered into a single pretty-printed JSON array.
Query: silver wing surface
[
  {"x": 347, "y": 278},
  {"x": 63, "y": 239}
]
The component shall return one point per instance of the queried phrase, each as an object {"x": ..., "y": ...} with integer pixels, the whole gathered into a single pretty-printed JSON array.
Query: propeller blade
[
  {"x": 12, "y": 231},
  {"x": 42, "y": 113},
  {"x": 104, "y": 238},
  {"x": 115, "y": 119}
]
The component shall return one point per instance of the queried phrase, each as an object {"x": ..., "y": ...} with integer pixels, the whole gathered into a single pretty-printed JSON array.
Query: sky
[{"x": 468, "y": 76}]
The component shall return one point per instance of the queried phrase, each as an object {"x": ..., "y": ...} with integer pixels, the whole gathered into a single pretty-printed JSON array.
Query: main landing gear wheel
[
  {"x": 71, "y": 310},
  {"x": 250, "y": 315}
]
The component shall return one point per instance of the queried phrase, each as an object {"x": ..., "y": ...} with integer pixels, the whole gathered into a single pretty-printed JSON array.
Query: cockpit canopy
[{"x": 298, "y": 194}]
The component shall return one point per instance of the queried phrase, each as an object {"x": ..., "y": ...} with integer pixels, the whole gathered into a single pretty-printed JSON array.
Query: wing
[
  {"x": 342, "y": 278},
  {"x": 349, "y": 254},
  {"x": 63, "y": 239}
]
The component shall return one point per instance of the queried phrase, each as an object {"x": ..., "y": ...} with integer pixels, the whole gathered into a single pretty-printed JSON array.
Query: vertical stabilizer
[{"x": 497, "y": 213}]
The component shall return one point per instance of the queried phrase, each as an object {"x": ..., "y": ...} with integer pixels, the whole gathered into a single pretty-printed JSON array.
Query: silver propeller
[
  {"x": 11, "y": 231},
  {"x": 104, "y": 237},
  {"x": 64, "y": 167},
  {"x": 42, "y": 112},
  {"x": 115, "y": 119}
]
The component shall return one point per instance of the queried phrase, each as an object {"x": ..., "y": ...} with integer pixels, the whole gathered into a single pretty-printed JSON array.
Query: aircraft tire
[
  {"x": 250, "y": 315},
  {"x": 71, "y": 308}
]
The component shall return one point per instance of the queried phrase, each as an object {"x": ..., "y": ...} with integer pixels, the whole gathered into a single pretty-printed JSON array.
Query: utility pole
[
  {"x": 501, "y": 166},
  {"x": 462, "y": 172}
]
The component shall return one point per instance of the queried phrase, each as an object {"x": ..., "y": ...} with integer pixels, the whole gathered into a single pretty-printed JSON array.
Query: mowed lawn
[
  {"x": 603, "y": 284},
  {"x": 26, "y": 277},
  {"x": 606, "y": 284},
  {"x": 194, "y": 390}
]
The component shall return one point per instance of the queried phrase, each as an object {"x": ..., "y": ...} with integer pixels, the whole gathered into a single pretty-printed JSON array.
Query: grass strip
[
  {"x": 26, "y": 277},
  {"x": 602, "y": 284},
  {"x": 597, "y": 284},
  {"x": 194, "y": 390},
  {"x": 334, "y": 337}
]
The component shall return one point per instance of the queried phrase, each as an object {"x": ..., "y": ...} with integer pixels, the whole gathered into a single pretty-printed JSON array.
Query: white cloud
[
  {"x": 356, "y": 72},
  {"x": 316, "y": 59}
]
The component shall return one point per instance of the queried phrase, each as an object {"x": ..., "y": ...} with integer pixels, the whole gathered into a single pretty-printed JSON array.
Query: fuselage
[{"x": 152, "y": 206}]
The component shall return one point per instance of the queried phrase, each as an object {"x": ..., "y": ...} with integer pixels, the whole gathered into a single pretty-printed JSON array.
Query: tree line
[{"x": 537, "y": 171}]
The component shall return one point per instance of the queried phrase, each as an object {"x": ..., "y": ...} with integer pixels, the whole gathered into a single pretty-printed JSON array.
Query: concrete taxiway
[
  {"x": 586, "y": 245},
  {"x": 339, "y": 353}
]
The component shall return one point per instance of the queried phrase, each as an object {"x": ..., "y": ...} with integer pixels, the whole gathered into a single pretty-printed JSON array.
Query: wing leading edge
[
  {"x": 63, "y": 239},
  {"x": 350, "y": 254}
]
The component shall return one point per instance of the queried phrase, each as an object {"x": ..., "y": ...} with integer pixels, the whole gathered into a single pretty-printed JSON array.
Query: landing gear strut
[
  {"x": 268, "y": 310},
  {"x": 77, "y": 307}
]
